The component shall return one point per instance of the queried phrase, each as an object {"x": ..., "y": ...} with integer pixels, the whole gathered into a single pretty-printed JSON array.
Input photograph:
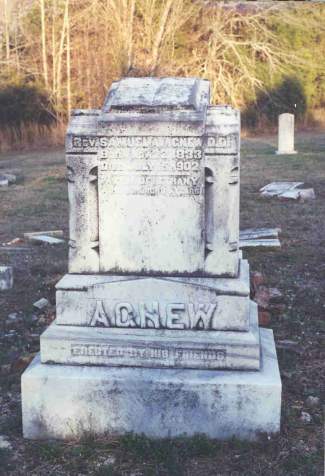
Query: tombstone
[
  {"x": 286, "y": 134},
  {"x": 155, "y": 332}
]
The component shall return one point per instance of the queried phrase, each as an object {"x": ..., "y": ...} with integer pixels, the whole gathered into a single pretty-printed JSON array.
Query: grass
[{"x": 39, "y": 202}]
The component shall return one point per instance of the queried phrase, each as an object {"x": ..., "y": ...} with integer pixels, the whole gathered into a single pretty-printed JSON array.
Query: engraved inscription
[
  {"x": 222, "y": 141},
  {"x": 153, "y": 315},
  {"x": 145, "y": 352},
  {"x": 168, "y": 166}
]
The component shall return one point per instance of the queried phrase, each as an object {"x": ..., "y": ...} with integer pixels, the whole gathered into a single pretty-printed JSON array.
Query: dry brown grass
[{"x": 31, "y": 136}]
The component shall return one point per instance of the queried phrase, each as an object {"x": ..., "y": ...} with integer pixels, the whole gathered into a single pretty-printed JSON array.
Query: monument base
[{"x": 63, "y": 401}]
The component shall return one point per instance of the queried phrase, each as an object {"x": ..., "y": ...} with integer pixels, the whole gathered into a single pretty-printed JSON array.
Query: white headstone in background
[
  {"x": 157, "y": 285},
  {"x": 286, "y": 134}
]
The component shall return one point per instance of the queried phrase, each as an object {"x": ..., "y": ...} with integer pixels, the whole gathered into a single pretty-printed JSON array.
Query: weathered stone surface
[
  {"x": 158, "y": 93},
  {"x": 67, "y": 401},
  {"x": 286, "y": 133},
  {"x": 6, "y": 277},
  {"x": 167, "y": 172},
  {"x": 152, "y": 348},
  {"x": 87, "y": 300}
]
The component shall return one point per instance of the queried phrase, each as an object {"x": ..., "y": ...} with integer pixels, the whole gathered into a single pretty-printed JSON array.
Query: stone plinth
[
  {"x": 153, "y": 348},
  {"x": 286, "y": 134},
  {"x": 65, "y": 401}
]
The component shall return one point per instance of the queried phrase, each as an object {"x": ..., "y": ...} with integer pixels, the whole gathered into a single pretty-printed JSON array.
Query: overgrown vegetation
[{"x": 262, "y": 57}]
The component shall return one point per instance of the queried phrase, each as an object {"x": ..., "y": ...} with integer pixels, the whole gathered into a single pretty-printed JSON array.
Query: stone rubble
[{"x": 287, "y": 190}]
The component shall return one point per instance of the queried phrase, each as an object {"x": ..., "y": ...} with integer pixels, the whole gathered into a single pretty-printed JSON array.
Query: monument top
[{"x": 140, "y": 94}]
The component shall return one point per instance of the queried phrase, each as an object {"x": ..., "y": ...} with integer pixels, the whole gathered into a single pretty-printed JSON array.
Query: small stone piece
[
  {"x": 4, "y": 182},
  {"x": 312, "y": 402},
  {"x": 50, "y": 240},
  {"x": 4, "y": 443},
  {"x": 13, "y": 316},
  {"x": 56, "y": 233},
  {"x": 269, "y": 243},
  {"x": 6, "y": 277},
  {"x": 275, "y": 295},
  {"x": 10, "y": 177},
  {"x": 305, "y": 417},
  {"x": 307, "y": 194},
  {"x": 41, "y": 303},
  {"x": 257, "y": 233}
]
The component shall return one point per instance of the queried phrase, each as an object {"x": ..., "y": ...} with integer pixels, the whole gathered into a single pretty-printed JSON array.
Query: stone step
[
  {"x": 66, "y": 401},
  {"x": 153, "y": 347}
]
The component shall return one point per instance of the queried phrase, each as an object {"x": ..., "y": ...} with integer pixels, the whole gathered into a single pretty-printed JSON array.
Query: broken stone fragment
[
  {"x": 55, "y": 233},
  {"x": 305, "y": 417},
  {"x": 288, "y": 191},
  {"x": 307, "y": 194},
  {"x": 4, "y": 443},
  {"x": 6, "y": 277},
  {"x": 10, "y": 177},
  {"x": 41, "y": 303},
  {"x": 268, "y": 243},
  {"x": 312, "y": 402},
  {"x": 275, "y": 295},
  {"x": 50, "y": 240},
  {"x": 3, "y": 181},
  {"x": 13, "y": 316}
]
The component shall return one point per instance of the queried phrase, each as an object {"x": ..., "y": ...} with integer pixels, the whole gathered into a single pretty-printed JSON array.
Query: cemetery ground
[{"x": 38, "y": 201}]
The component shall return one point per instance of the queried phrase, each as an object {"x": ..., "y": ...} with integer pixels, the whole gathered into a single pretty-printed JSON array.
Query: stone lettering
[
  {"x": 155, "y": 353},
  {"x": 100, "y": 318},
  {"x": 149, "y": 318},
  {"x": 200, "y": 318},
  {"x": 124, "y": 315},
  {"x": 175, "y": 319},
  {"x": 154, "y": 315}
]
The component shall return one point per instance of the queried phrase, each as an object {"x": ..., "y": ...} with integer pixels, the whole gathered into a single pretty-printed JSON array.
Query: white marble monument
[
  {"x": 155, "y": 332},
  {"x": 286, "y": 134}
]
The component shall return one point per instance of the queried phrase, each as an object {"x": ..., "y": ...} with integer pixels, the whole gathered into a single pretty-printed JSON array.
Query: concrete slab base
[{"x": 63, "y": 401}]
